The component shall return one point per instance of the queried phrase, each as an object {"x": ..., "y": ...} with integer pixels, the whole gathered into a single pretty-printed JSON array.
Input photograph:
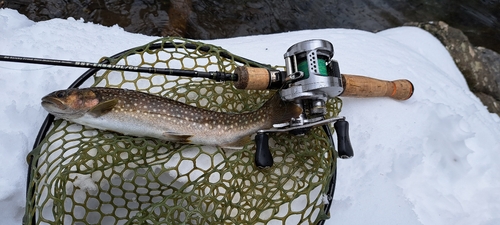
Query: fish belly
[{"x": 169, "y": 131}]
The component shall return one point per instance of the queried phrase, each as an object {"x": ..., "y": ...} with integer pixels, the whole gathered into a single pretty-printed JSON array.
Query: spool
[{"x": 319, "y": 67}]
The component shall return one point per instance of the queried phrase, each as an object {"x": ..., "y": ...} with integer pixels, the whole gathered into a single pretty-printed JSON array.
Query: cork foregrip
[
  {"x": 361, "y": 86},
  {"x": 252, "y": 78}
]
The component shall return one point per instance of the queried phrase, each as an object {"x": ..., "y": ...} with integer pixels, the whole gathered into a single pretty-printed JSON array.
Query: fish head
[{"x": 70, "y": 103}]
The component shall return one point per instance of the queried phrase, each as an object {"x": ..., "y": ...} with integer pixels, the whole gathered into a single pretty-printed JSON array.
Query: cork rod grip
[
  {"x": 361, "y": 86},
  {"x": 252, "y": 78}
]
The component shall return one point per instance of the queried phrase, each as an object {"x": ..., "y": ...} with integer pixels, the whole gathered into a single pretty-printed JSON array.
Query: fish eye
[{"x": 61, "y": 94}]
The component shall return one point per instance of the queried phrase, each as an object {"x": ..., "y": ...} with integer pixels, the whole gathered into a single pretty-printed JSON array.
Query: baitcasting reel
[{"x": 311, "y": 77}]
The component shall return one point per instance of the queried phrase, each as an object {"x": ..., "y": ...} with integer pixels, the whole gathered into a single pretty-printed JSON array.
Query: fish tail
[{"x": 280, "y": 111}]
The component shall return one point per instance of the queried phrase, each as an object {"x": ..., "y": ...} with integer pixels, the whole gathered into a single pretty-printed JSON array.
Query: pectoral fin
[
  {"x": 103, "y": 108},
  {"x": 182, "y": 138}
]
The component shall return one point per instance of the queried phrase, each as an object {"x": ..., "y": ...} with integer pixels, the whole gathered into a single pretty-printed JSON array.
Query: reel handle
[
  {"x": 361, "y": 86},
  {"x": 263, "y": 157},
  {"x": 344, "y": 142}
]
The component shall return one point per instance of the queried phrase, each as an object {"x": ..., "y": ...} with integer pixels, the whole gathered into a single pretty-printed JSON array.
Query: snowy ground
[{"x": 434, "y": 159}]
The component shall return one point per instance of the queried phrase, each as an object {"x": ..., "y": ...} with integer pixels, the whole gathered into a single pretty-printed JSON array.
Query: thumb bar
[{"x": 361, "y": 86}]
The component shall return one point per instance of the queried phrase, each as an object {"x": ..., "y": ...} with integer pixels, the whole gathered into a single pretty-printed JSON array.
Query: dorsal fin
[{"x": 103, "y": 108}]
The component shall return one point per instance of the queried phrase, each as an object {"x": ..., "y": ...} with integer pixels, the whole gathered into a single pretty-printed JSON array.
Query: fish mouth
[{"x": 52, "y": 104}]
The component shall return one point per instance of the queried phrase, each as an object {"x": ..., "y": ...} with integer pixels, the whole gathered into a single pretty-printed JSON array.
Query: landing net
[{"x": 80, "y": 175}]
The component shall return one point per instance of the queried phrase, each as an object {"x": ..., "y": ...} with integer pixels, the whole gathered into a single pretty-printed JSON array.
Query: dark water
[{"x": 208, "y": 19}]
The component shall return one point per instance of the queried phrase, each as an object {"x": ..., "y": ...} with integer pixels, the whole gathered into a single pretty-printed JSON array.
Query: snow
[{"x": 433, "y": 159}]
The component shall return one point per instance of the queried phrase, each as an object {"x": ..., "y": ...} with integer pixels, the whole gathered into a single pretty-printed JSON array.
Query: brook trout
[{"x": 145, "y": 115}]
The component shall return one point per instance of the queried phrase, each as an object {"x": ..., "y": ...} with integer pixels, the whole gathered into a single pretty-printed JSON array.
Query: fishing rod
[
  {"x": 214, "y": 75},
  {"x": 255, "y": 78},
  {"x": 312, "y": 76}
]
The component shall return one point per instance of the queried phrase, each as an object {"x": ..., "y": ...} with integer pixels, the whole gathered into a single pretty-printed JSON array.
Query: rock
[
  {"x": 492, "y": 104},
  {"x": 179, "y": 13},
  {"x": 480, "y": 66},
  {"x": 492, "y": 59}
]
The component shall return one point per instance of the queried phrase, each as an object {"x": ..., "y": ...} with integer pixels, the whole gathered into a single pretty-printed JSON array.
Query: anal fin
[
  {"x": 238, "y": 144},
  {"x": 182, "y": 138}
]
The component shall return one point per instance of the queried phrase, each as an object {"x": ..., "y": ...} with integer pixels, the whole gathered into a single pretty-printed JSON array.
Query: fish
[{"x": 141, "y": 114}]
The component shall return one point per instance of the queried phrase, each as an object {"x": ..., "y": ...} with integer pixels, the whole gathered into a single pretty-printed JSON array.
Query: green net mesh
[{"x": 86, "y": 176}]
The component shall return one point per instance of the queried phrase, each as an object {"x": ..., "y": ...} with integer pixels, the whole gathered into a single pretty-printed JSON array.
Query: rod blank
[{"x": 215, "y": 75}]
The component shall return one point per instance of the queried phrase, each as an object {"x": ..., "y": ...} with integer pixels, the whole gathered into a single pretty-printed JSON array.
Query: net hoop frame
[{"x": 49, "y": 119}]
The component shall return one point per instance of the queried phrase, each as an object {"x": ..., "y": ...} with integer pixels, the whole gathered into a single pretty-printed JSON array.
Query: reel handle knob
[
  {"x": 344, "y": 143},
  {"x": 263, "y": 157},
  {"x": 361, "y": 86}
]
